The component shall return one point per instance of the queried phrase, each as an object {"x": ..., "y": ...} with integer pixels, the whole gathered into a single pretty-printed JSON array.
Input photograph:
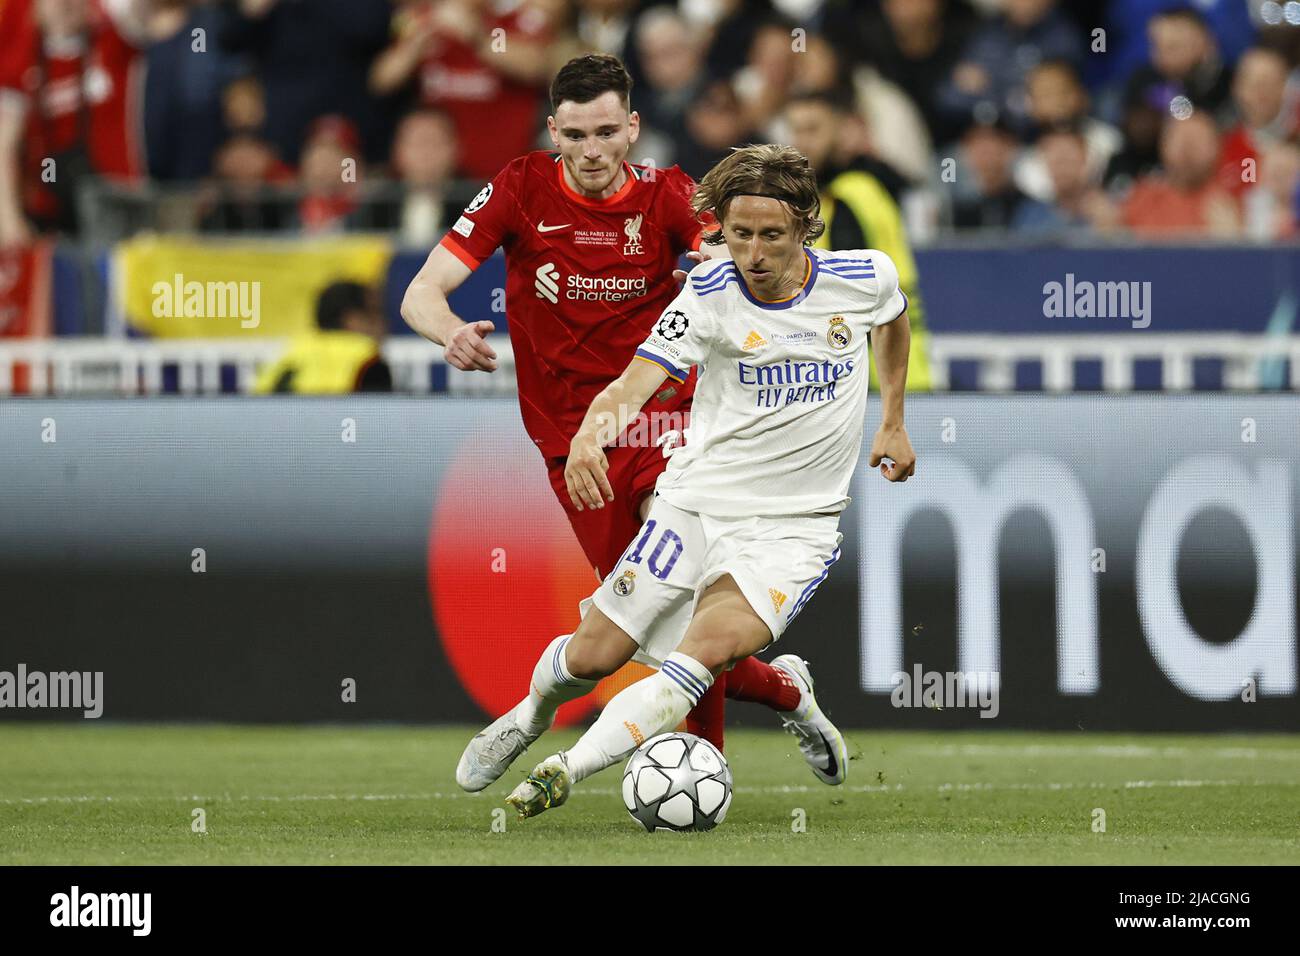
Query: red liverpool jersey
[
  {"x": 457, "y": 78},
  {"x": 108, "y": 74},
  {"x": 586, "y": 280}
]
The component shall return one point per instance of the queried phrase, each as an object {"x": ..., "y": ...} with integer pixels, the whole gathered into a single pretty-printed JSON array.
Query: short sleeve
[
  {"x": 889, "y": 300},
  {"x": 490, "y": 218},
  {"x": 681, "y": 338}
]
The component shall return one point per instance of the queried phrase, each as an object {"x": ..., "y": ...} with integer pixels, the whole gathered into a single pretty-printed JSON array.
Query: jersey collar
[
  {"x": 810, "y": 277},
  {"x": 578, "y": 197}
]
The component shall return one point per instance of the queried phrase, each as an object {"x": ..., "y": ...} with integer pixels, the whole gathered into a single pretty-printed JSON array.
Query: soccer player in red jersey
[{"x": 591, "y": 243}]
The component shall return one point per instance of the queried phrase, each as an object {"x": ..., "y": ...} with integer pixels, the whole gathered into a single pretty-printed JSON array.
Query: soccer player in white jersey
[{"x": 743, "y": 527}]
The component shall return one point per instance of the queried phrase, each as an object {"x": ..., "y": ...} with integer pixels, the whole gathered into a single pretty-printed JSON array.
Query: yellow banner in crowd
[{"x": 173, "y": 287}]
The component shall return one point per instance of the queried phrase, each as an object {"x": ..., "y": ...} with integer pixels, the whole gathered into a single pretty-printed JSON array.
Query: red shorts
[{"x": 606, "y": 532}]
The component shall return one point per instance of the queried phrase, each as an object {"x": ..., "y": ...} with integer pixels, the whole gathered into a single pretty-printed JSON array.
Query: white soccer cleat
[
  {"x": 492, "y": 752},
  {"x": 546, "y": 787},
  {"x": 820, "y": 741}
]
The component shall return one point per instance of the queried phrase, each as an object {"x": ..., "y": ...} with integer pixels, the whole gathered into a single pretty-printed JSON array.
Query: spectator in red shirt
[
  {"x": 473, "y": 63},
  {"x": 1186, "y": 198},
  {"x": 70, "y": 98},
  {"x": 329, "y": 175},
  {"x": 1259, "y": 94}
]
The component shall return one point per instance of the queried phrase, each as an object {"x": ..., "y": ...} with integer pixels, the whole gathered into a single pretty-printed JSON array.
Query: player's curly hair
[{"x": 764, "y": 169}]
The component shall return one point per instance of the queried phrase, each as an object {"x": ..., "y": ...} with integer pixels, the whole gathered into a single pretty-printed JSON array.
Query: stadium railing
[
  {"x": 92, "y": 365},
  {"x": 1249, "y": 362},
  {"x": 98, "y": 366}
]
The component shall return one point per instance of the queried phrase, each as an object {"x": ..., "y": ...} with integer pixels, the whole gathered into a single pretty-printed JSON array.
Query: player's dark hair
[
  {"x": 584, "y": 78},
  {"x": 780, "y": 172},
  {"x": 337, "y": 300}
]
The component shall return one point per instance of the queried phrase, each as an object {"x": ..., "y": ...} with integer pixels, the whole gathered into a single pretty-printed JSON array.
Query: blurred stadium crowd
[{"x": 1145, "y": 118}]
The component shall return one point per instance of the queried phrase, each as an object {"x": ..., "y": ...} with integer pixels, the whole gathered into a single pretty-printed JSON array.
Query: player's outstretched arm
[
  {"x": 610, "y": 413},
  {"x": 890, "y": 344},
  {"x": 426, "y": 310}
]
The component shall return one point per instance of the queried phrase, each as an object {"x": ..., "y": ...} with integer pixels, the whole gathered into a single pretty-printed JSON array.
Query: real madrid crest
[
  {"x": 839, "y": 335},
  {"x": 624, "y": 583}
]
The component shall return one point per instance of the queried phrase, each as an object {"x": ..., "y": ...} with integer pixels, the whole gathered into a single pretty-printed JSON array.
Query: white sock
[
  {"x": 646, "y": 709},
  {"x": 552, "y": 685}
]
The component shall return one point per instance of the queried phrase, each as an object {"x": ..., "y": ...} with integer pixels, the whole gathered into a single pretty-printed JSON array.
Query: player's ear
[
  {"x": 555, "y": 133},
  {"x": 633, "y": 126}
]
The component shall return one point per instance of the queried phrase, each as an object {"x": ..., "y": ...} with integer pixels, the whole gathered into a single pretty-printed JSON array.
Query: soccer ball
[{"x": 677, "y": 782}]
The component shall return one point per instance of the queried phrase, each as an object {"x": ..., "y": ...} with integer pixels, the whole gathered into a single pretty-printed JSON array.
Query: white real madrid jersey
[{"x": 777, "y": 418}]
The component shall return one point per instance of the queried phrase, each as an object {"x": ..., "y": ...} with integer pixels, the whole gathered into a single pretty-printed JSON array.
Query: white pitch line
[
  {"x": 611, "y": 791},
  {"x": 1099, "y": 750}
]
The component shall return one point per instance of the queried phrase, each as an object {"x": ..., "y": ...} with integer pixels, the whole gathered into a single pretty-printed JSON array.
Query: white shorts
[{"x": 777, "y": 562}]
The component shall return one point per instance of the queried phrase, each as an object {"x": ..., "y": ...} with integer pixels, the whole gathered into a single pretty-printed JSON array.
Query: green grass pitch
[{"x": 121, "y": 794}]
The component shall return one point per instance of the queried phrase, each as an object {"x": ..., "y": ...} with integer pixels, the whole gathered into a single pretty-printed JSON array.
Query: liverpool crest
[{"x": 632, "y": 230}]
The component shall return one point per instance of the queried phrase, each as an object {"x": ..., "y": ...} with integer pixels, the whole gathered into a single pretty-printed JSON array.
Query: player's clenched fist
[
  {"x": 584, "y": 473},
  {"x": 891, "y": 442},
  {"x": 467, "y": 351}
]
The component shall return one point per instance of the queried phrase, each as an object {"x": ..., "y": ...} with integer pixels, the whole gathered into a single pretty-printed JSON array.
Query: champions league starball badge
[{"x": 672, "y": 325}]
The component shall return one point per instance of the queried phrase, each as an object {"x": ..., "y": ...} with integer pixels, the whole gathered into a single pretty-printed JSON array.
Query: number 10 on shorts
[{"x": 667, "y": 549}]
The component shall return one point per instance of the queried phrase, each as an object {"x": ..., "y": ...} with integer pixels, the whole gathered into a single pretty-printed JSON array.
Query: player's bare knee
[
  {"x": 587, "y": 664},
  {"x": 716, "y": 648},
  {"x": 723, "y": 639},
  {"x": 599, "y": 647}
]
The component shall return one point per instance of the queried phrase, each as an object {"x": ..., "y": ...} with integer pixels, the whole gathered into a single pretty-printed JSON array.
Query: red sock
[
  {"x": 710, "y": 714},
  {"x": 761, "y": 683}
]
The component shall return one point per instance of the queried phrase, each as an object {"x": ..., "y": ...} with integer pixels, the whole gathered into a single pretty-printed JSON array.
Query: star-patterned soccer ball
[{"x": 677, "y": 782}]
